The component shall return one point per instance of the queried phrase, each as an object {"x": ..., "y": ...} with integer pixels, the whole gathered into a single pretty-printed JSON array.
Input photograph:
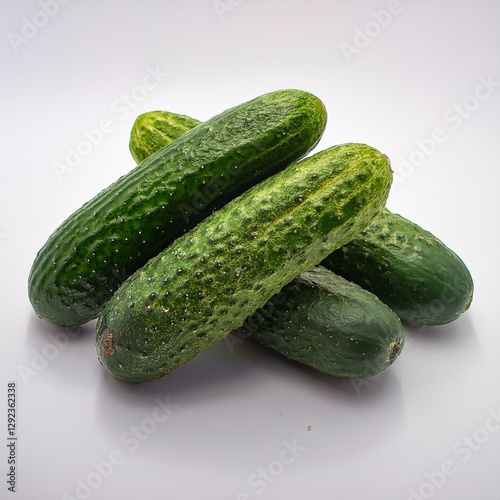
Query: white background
[{"x": 393, "y": 74}]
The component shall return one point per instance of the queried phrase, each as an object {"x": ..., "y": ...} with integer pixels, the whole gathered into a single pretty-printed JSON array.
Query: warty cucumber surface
[
  {"x": 319, "y": 319},
  {"x": 407, "y": 267},
  {"x": 90, "y": 254},
  {"x": 208, "y": 281}
]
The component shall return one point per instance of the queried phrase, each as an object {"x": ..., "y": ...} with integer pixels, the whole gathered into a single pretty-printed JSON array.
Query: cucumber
[
  {"x": 154, "y": 129},
  {"x": 319, "y": 319},
  {"x": 413, "y": 272},
  {"x": 121, "y": 228},
  {"x": 209, "y": 280},
  {"x": 328, "y": 323},
  {"x": 407, "y": 267}
]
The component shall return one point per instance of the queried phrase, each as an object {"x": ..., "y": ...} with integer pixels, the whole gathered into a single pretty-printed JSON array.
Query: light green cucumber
[
  {"x": 155, "y": 129},
  {"x": 208, "y": 281}
]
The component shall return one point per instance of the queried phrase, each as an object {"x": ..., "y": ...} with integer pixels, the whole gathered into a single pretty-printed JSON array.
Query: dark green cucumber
[
  {"x": 330, "y": 324},
  {"x": 111, "y": 236},
  {"x": 208, "y": 281},
  {"x": 408, "y": 268},
  {"x": 154, "y": 129}
]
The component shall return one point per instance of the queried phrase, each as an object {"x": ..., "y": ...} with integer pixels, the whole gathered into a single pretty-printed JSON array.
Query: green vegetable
[
  {"x": 120, "y": 229},
  {"x": 208, "y": 281},
  {"x": 408, "y": 268},
  {"x": 319, "y": 319},
  {"x": 154, "y": 129},
  {"x": 330, "y": 324}
]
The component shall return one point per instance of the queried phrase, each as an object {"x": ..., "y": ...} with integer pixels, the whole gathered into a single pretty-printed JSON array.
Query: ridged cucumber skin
[
  {"x": 407, "y": 267},
  {"x": 121, "y": 228},
  {"x": 208, "y": 281},
  {"x": 154, "y": 129},
  {"x": 328, "y": 323}
]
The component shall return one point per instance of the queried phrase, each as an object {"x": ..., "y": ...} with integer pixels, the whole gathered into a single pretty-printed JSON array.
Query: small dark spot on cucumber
[
  {"x": 108, "y": 345},
  {"x": 394, "y": 350}
]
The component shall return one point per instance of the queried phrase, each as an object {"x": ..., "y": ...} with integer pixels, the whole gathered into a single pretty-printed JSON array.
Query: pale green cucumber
[{"x": 208, "y": 281}]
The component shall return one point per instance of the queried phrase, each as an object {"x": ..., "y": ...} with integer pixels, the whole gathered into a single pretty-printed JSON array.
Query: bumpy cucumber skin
[
  {"x": 443, "y": 294},
  {"x": 330, "y": 324},
  {"x": 111, "y": 236},
  {"x": 427, "y": 285},
  {"x": 206, "y": 283},
  {"x": 319, "y": 319},
  {"x": 154, "y": 129},
  {"x": 408, "y": 268}
]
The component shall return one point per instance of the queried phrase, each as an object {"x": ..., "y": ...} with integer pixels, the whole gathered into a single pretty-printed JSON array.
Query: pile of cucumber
[{"x": 231, "y": 225}]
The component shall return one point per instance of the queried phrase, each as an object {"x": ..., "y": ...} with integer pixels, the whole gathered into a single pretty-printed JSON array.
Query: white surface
[{"x": 233, "y": 413}]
